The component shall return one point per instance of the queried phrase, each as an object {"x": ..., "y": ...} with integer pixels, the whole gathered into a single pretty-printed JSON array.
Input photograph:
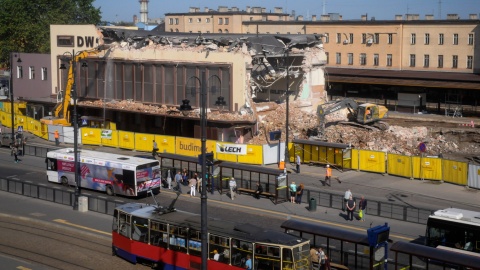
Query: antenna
[
  {"x": 439, "y": 9},
  {"x": 323, "y": 12}
]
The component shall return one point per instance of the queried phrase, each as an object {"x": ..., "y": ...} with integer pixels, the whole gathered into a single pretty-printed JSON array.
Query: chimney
[
  {"x": 278, "y": 10},
  {"x": 364, "y": 17},
  {"x": 192, "y": 9},
  {"x": 325, "y": 17},
  {"x": 314, "y": 18},
  {"x": 453, "y": 17},
  {"x": 248, "y": 9},
  {"x": 398, "y": 17},
  {"x": 264, "y": 10},
  {"x": 222, "y": 9},
  {"x": 429, "y": 17},
  {"x": 300, "y": 18},
  {"x": 235, "y": 9},
  {"x": 207, "y": 9},
  {"x": 473, "y": 16},
  {"x": 412, "y": 17}
]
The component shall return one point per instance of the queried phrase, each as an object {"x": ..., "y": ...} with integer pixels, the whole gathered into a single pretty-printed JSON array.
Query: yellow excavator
[
  {"x": 61, "y": 112},
  {"x": 367, "y": 115}
]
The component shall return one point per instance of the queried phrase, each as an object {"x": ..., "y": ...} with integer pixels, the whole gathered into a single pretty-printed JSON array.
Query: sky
[{"x": 123, "y": 10}]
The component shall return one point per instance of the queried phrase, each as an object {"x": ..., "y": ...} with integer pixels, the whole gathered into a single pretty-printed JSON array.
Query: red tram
[{"x": 171, "y": 239}]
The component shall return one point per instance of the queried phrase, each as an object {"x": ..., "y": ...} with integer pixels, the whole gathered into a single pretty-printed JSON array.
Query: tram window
[
  {"x": 287, "y": 258},
  {"x": 158, "y": 234},
  {"x": 194, "y": 242},
  {"x": 267, "y": 257},
  {"x": 124, "y": 224},
  {"x": 140, "y": 229},
  {"x": 115, "y": 221},
  {"x": 178, "y": 236},
  {"x": 222, "y": 246},
  {"x": 240, "y": 250}
]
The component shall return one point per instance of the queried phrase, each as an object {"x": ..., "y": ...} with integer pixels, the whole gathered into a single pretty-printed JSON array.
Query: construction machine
[
  {"x": 367, "y": 115},
  {"x": 61, "y": 112}
]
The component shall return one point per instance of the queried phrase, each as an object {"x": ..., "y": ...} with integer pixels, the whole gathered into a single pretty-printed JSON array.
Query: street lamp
[
  {"x": 73, "y": 58},
  {"x": 287, "y": 155},
  {"x": 11, "y": 95}
]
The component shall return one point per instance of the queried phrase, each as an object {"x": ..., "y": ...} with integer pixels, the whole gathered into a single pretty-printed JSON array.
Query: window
[
  {"x": 426, "y": 60},
  {"x": 227, "y": 20},
  {"x": 351, "y": 39},
  {"x": 413, "y": 39},
  {"x": 44, "y": 73},
  {"x": 455, "y": 61},
  {"x": 199, "y": 20},
  {"x": 170, "y": 21},
  {"x": 338, "y": 58},
  {"x": 65, "y": 41},
  {"x": 389, "y": 60},
  {"x": 455, "y": 39},
  {"x": 207, "y": 20},
  {"x": 412, "y": 60},
  {"x": 190, "y": 20},
  {"x": 364, "y": 38},
  {"x": 470, "y": 39},
  {"x": 339, "y": 38},
  {"x": 19, "y": 72},
  {"x": 469, "y": 62},
  {"x": 298, "y": 33},
  {"x": 390, "y": 38},
  {"x": 220, "y": 20},
  {"x": 375, "y": 59},
  {"x": 219, "y": 30},
  {"x": 226, "y": 31},
  {"x": 440, "y": 39},
  {"x": 31, "y": 73},
  {"x": 176, "y": 21},
  {"x": 350, "y": 58},
  {"x": 327, "y": 38},
  {"x": 376, "y": 38},
  {"x": 363, "y": 59},
  {"x": 440, "y": 61},
  {"x": 327, "y": 56},
  {"x": 427, "y": 38}
]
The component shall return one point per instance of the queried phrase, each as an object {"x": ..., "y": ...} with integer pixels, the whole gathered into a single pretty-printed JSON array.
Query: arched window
[{"x": 219, "y": 30}]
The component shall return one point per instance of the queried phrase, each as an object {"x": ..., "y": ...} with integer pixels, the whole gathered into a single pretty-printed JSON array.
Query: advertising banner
[{"x": 234, "y": 149}]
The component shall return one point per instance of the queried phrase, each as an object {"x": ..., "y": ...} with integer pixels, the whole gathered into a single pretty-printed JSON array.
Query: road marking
[
  {"x": 120, "y": 201},
  {"x": 62, "y": 221},
  {"x": 23, "y": 268}
]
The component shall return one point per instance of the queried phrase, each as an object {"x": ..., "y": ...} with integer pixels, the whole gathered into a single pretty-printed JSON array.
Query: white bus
[
  {"x": 112, "y": 173},
  {"x": 454, "y": 228}
]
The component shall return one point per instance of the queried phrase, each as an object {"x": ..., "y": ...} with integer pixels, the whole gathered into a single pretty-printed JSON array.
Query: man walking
[
  {"x": 328, "y": 176},
  {"x": 298, "y": 161},
  {"x": 155, "y": 149},
  {"x": 347, "y": 196},
  {"x": 15, "y": 152},
  {"x": 233, "y": 186},
  {"x": 57, "y": 137}
]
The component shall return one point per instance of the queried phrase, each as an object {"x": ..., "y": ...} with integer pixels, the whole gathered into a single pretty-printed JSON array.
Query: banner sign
[
  {"x": 234, "y": 149},
  {"x": 106, "y": 134}
]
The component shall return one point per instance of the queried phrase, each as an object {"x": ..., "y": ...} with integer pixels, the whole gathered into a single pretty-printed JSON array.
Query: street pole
[
  {"x": 75, "y": 132},
  {"x": 203, "y": 198},
  {"x": 287, "y": 155},
  {"x": 11, "y": 99}
]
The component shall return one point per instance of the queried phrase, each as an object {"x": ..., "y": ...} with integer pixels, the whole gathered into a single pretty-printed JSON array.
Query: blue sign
[
  {"x": 20, "y": 129},
  {"x": 422, "y": 147},
  {"x": 275, "y": 135},
  {"x": 84, "y": 122},
  {"x": 378, "y": 235}
]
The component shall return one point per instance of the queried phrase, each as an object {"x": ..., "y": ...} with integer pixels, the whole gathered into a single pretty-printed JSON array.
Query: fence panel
[
  {"x": 427, "y": 168},
  {"x": 372, "y": 161},
  {"x": 474, "y": 176},
  {"x": 455, "y": 172},
  {"x": 399, "y": 165}
]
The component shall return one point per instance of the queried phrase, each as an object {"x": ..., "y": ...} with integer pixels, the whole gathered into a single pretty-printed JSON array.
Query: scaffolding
[{"x": 453, "y": 104}]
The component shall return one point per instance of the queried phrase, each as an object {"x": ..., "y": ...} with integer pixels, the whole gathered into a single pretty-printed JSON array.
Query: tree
[{"x": 25, "y": 24}]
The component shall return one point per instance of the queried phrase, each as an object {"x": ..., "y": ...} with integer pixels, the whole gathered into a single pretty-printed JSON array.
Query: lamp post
[
  {"x": 73, "y": 94},
  {"x": 287, "y": 155},
  {"x": 10, "y": 90}
]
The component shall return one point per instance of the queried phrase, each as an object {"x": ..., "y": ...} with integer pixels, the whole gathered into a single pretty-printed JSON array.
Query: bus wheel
[
  {"x": 64, "y": 181},
  {"x": 114, "y": 253},
  {"x": 110, "y": 190}
]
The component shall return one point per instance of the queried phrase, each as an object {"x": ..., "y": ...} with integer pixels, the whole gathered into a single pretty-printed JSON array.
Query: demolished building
[{"x": 143, "y": 77}]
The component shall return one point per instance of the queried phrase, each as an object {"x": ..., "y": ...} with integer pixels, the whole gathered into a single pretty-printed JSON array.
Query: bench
[
  {"x": 338, "y": 266},
  {"x": 251, "y": 191}
]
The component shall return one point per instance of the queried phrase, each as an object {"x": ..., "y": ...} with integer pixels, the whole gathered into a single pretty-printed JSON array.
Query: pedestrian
[
  {"x": 233, "y": 187},
  {"x": 15, "y": 152},
  {"x": 321, "y": 258},
  {"x": 350, "y": 208},
  {"x": 178, "y": 177},
  {"x": 362, "y": 208},
  {"x": 328, "y": 176},
  {"x": 293, "y": 192},
  {"x": 300, "y": 189},
  {"x": 57, "y": 137},
  {"x": 313, "y": 257},
  {"x": 347, "y": 195},
  {"x": 155, "y": 149},
  {"x": 298, "y": 161},
  {"x": 169, "y": 180},
  {"x": 178, "y": 186},
  {"x": 248, "y": 263},
  {"x": 192, "y": 183},
  {"x": 327, "y": 263},
  {"x": 258, "y": 191}
]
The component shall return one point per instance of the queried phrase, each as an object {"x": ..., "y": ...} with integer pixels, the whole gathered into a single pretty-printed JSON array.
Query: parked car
[{"x": 5, "y": 139}]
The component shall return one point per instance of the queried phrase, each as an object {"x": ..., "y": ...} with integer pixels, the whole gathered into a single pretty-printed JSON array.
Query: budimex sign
[{"x": 234, "y": 149}]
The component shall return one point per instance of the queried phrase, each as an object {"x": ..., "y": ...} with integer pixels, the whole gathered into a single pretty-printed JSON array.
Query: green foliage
[{"x": 25, "y": 24}]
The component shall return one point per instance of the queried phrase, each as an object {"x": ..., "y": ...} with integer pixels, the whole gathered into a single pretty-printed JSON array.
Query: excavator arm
[
  {"x": 61, "y": 111},
  {"x": 332, "y": 107}
]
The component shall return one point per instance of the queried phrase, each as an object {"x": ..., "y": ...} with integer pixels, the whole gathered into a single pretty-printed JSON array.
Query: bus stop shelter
[{"x": 322, "y": 153}]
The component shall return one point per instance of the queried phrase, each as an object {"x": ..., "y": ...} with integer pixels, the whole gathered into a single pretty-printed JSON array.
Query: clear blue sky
[{"x": 123, "y": 10}]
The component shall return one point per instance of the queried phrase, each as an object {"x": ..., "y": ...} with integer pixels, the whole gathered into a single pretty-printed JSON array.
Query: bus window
[
  {"x": 51, "y": 164},
  {"x": 177, "y": 240},
  {"x": 158, "y": 234},
  {"x": 240, "y": 250},
  {"x": 140, "y": 229},
  {"x": 128, "y": 180},
  {"x": 194, "y": 242},
  {"x": 222, "y": 246},
  {"x": 267, "y": 257}
]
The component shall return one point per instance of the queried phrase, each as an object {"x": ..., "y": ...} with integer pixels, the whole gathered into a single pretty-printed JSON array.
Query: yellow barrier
[
  {"x": 338, "y": 157},
  {"x": 400, "y": 165},
  {"x": 455, "y": 172},
  {"x": 126, "y": 139},
  {"x": 355, "y": 159},
  {"x": 112, "y": 141},
  {"x": 188, "y": 147},
  {"x": 222, "y": 156},
  {"x": 427, "y": 168},
  {"x": 372, "y": 161},
  {"x": 315, "y": 154},
  {"x": 144, "y": 142},
  {"x": 307, "y": 152},
  {"x": 254, "y": 155},
  {"x": 91, "y": 136},
  {"x": 166, "y": 144},
  {"x": 291, "y": 152}
]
